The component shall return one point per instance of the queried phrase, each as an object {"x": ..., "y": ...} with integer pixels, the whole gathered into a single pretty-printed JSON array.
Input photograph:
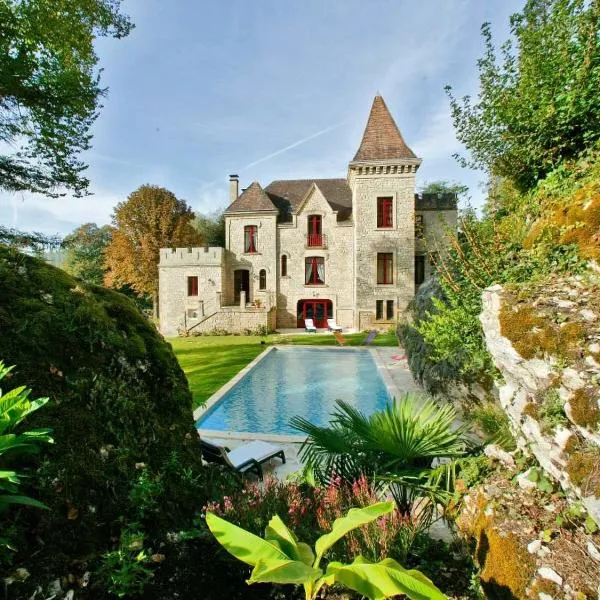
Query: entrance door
[
  {"x": 241, "y": 282},
  {"x": 317, "y": 310}
]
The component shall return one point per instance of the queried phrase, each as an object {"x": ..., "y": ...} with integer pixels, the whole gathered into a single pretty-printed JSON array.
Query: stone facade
[{"x": 325, "y": 226}]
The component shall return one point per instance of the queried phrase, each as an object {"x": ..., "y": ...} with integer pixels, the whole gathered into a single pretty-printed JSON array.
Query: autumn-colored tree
[{"x": 151, "y": 218}]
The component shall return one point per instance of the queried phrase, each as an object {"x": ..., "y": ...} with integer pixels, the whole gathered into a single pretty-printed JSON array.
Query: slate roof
[
  {"x": 382, "y": 139},
  {"x": 252, "y": 199},
  {"x": 287, "y": 194}
]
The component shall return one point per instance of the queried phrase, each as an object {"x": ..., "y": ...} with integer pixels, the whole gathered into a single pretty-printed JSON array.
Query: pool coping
[{"x": 382, "y": 368}]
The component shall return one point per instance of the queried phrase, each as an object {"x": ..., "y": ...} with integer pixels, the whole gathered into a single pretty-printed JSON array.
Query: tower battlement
[{"x": 204, "y": 255}]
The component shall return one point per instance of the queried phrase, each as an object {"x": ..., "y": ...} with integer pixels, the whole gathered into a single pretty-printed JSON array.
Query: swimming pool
[{"x": 297, "y": 381}]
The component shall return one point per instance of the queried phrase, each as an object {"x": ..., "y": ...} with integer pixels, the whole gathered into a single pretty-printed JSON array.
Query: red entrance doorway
[{"x": 317, "y": 310}]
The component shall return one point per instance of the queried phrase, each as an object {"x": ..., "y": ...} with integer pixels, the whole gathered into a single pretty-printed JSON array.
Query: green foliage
[
  {"x": 397, "y": 445},
  {"x": 456, "y": 338},
  {"x": 125, "y": 569},
  {"x": 542, "y": 481},
  {"x": 34, "y": 241},
  {"x": 50, "y": 88},
  {"x": 211, "y": 228},
  {"x": 85, "y": 248},
  {"x": 483, "y": 252},
  {"x": 492, "y": 421},
  {"x": 15, "y": 405},
  {"x": 281, "y": 558},
  {"x": 538, "y": 103},
  {"x": 433, "y": 375},
  {"x": 552, "y": 411},
  {"x": 118, "y": 404},
  {"x": 444, "y": 187}
]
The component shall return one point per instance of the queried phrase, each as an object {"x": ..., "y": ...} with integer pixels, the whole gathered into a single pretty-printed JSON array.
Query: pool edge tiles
[{"x": 213, "y": 402}]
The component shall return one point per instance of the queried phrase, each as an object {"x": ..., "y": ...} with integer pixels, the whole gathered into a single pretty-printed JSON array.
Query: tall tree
[
  {"x": 442, "y": 186},
  {"x": 211, "y": 227},
  {"x": 151, "y": 218},
  {"x": 85, "y": 250},
  {"x": 539, "y": 103},
  {"x": 50, "y": 89}
]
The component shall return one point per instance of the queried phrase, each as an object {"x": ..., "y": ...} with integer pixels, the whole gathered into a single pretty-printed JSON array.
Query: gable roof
[
  {"x": 382, "y": 139},
  {"x": 252, "y": 199},
  {"x": 288, "y": 194}
]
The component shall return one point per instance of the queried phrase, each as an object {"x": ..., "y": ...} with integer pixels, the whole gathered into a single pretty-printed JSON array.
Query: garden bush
[{"x": 120, "y": 409}]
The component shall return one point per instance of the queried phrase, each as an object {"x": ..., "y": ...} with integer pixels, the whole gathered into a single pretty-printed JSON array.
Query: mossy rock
[{"x": 119, "y": 404}]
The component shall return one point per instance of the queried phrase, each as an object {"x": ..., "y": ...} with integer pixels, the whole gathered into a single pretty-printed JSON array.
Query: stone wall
[
  {"x": 546, "y": 344},
  {"x": 368, "y": 184},
  {"x": 234, "y": 320},
  {"x": 338, "y": 253},
  {"x": 175, "y": 266},
  {"x": 435, "y": 225},
  {"x": 265, "y": 256}
]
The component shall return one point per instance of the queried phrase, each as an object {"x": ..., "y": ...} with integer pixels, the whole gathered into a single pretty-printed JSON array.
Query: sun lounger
[
  {"x": 332, "y": 325},
  {"x": 341, "y": 340},
  {"x": 244, "y": 458},
  {"x": 369, "y": 339},
  {"x": 310, "y": 326}
]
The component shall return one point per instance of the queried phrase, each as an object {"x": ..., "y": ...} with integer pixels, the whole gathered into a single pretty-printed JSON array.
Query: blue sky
[{"x": 268, "y": 89}]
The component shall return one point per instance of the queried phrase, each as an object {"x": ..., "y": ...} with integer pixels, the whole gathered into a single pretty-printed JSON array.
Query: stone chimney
[{"x": 234, "y": 182}]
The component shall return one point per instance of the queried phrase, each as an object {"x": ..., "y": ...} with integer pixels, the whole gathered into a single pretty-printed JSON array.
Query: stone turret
[{"x": 382, "y": 177}]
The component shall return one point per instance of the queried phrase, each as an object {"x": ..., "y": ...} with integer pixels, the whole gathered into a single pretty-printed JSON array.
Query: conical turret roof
[{"x": 382, "y": 139}]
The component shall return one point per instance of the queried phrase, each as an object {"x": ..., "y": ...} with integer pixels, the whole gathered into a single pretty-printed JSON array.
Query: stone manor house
[{"x": 354, "y": 249}]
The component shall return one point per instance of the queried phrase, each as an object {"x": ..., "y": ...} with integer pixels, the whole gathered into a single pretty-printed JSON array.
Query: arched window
[
  {"x": 284, "y": 265},
  {"x": 262, "y": 280}
]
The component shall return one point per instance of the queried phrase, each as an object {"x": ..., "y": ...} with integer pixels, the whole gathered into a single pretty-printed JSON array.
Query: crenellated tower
[{"x": 382, "y": 177}]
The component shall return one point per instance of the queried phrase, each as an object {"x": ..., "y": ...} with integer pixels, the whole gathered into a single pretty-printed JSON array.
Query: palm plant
[
  {"x": 413, "y": 447},
  {"x": 15, "y": 405}
]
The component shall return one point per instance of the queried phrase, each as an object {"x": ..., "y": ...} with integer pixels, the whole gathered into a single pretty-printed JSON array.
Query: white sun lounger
[
  {"x": 332, "y": 325},
  {"x": 247, "y": 457},
  {"x": 310, "y": 326}
]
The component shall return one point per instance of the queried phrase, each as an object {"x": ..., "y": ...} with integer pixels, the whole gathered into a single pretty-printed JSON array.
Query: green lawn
[{"x": 211, "y": 361}]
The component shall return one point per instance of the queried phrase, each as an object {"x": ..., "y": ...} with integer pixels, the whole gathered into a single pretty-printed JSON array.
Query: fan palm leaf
[{"x": 397, "y": 447}]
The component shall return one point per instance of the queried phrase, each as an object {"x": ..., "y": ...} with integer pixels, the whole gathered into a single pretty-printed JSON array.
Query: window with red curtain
[
  {"x": 385, "y": 212},
  {"x": 192, "y": 286},
  {"x": 385, "y": 270},
  {"x": 284, "y": 266},
  {"x": 314, "y": 270},
  {"x": 315, "y": 237},
  {"x": 250, "y": 238}
]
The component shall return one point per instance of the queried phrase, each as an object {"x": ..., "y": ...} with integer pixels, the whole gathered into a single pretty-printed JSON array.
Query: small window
[
  {"x": 419, "y": 227},
  {"x": 385, "y": 270},
  {"x": 389, "y": 310},
  {"x": 262, "y": 280},
  {"x": 250, "y": 238},
  {"x": 192, "y": 286},
  {"x": 385, "y": 212},
  {"x": 192, "y": 313},
  {"x": 314, "y": 273},
  {"x": 379, "y": 310},
  {"x": 284, "y": 265},
  {"x": 419, "y": 269}
]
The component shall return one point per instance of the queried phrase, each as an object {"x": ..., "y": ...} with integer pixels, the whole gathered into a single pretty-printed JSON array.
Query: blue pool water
[{"x": 298, "y": 381}]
